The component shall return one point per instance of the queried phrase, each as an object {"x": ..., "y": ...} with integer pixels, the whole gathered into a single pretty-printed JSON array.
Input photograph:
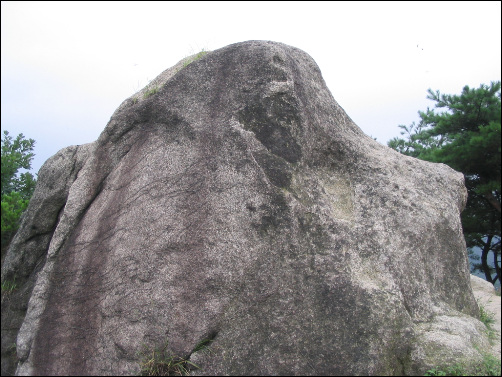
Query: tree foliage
[
  {"x": 466, "y": 136},
  {"x": 17, "y": 188}
]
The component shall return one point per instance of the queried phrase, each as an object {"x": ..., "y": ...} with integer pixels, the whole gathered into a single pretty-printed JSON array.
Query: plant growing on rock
[
  {"x": 195, "y": 57},
  {"x": 161, "y": 362},
  {"x": 151, "y": 92},
  {"x": 490, "y": 366}
]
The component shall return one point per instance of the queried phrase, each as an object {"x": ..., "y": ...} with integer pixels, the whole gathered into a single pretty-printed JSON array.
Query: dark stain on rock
[
  {"x": 275, "y": 168},
  {"x": 273, "y": 121}
]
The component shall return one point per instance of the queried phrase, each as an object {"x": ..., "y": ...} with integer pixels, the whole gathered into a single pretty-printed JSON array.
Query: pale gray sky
[{"x": 67, "y": 66}]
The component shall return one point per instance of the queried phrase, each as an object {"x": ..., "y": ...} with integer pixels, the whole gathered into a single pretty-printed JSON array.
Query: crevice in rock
[
  {"x": 37, "y": 235},
  {"x": 405, "y": 303}
]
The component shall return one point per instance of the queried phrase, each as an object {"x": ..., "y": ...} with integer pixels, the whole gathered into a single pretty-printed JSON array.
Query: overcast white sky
[{"x": 67, "y": 66}]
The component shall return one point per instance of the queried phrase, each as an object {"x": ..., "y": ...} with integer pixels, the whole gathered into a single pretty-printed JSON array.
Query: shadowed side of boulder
[{"x": 28, "y": 249}]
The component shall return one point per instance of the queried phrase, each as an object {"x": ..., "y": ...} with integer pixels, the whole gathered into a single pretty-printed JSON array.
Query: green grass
[
  {"x": 151, "y": 92},
  {"x": 454, "y": 370},
  {"x": 195, "y": 58},
  {"x": 8, "y": 287},
  {"x": 203, "y": 345},
  {"x": 161, "y": 362},
  {"x": 485, "y": 316},
  {"x": 154, "y": 89},
  {"x": 490, "y": 366}
]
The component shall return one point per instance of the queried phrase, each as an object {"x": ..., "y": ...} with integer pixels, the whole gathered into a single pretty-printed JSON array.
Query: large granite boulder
[{"x": 234, "y": 203}]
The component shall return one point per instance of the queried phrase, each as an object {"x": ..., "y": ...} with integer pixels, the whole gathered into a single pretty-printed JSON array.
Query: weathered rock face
[{"x": 240, "y": 204}]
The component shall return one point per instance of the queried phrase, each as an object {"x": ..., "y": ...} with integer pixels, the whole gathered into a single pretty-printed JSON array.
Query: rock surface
[
  {"x": 239, "y": 205},
  {"x": 487, "y": 299}
]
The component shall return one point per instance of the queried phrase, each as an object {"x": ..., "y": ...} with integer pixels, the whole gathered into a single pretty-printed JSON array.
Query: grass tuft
[
  {"x": 151, "y": 92},
  {"x": 8, "y": 287},
  {"x": 454, "y": 370},
  {"x": 490, "y": 366},
  {"x": 485, "y": 316},
  {"x": 203, "y": 345},
  {"x": 163, "y": 363},
  {"x": 195, "y": 58}
]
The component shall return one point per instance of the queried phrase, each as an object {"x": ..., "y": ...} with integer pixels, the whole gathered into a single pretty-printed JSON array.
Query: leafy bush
[{"x": 17, "y": 189}]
